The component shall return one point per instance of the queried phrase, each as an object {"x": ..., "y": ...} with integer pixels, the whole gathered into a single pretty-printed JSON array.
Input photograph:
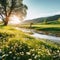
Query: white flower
[
  {"x": 0, "y": 50},
  {"x": 58, "y": 51},
  {"x": 29, "y": 59},
  {"x": 10, "y": 52},
  {"x": 35, "y": 56},
  {"x": 28, "y": 53}
]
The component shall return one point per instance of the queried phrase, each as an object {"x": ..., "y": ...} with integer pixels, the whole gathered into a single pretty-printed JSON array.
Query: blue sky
[{"x": 42, "y": 8}]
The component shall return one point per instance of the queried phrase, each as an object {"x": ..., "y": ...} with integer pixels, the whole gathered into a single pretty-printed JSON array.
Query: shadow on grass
[
  {"x": 50, "y": 29},
  {"x": 47, "y": 29}
]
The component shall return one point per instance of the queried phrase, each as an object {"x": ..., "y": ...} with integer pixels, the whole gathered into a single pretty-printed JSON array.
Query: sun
[{"x": 14, "y": 20}]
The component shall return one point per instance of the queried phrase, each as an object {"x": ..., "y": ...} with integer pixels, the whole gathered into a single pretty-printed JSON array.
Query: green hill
[
  {"x": 17, "y": 45},
  {"x": 42, "y": 19}
]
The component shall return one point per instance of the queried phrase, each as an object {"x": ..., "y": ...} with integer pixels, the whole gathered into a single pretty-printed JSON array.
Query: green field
[
  {"x": 54, "y": 25},
  {"x": 49, "y": 28},
  {"x": 39, "y": 26},
  {"x": 17, "y": 45}
]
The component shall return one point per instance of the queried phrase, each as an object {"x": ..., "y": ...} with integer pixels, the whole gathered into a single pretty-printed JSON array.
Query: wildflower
[
  {"x": 28, "y": 53},
  {"x": 10, "y": 52},
  {"x": 29, "y": 59}
]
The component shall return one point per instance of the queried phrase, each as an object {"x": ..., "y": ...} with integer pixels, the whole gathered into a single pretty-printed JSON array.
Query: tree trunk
[{"x": 6, "y": 21}]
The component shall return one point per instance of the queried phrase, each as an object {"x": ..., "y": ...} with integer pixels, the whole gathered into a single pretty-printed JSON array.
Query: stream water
[{"x": 38, "y": 35}]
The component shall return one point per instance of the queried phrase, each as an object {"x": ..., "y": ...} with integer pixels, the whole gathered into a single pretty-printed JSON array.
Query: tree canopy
[{"x": 9, "y": 7}]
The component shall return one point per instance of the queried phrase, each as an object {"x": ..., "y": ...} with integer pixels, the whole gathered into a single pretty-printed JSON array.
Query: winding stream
[
  {"x": 38, "y": 35},
  {"x": 52, "y": 38}
]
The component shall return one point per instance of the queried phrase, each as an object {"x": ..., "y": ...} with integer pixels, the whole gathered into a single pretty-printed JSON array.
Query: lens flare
[{"x": 14, "y": 20}]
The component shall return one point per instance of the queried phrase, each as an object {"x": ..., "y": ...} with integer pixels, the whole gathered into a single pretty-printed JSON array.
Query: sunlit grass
[
  {"x": 17, "y": 45},
  {"x": 48, "y": 26}
]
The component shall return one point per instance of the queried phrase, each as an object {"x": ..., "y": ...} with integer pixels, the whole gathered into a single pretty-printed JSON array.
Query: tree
[
  {"x": 31, "y": 25},
  {"x": 45, "y": 21},
  {"x": 10, "y": 7},
  {"x": 58, "y": 19}
]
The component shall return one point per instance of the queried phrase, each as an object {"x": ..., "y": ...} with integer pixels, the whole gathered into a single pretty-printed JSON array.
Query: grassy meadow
[
  {"x": 29, "y": 30},
  {"x": 49, "y": 27},
  {"x": 17, "y": 45}
]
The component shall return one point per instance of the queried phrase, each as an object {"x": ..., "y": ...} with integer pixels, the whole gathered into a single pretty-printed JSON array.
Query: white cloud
[{"x": 57, "y": 12}]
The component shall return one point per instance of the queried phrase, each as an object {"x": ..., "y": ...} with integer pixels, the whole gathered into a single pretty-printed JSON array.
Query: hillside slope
[
  {"x": 40, "y": 20},
  {"x": 17, "y": 45}
]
